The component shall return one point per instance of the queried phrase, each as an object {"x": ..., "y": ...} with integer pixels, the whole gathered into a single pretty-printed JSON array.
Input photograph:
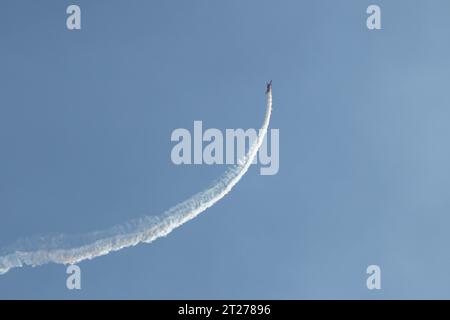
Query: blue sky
[{"x": 86, "y": 118}]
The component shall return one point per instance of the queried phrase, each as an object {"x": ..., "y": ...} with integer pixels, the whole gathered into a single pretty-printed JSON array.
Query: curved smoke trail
[{"x": 73, "y": 249}]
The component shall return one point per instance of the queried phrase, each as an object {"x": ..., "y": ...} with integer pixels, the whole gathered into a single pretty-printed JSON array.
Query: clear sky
[{"x": 86, "y": 118}]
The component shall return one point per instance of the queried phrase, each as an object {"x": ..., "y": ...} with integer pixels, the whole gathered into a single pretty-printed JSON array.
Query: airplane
[{"x": 269, "y": 87}]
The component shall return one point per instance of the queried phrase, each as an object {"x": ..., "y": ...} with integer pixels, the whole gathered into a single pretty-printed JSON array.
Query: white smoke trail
[{"x": 73, "y": 249}]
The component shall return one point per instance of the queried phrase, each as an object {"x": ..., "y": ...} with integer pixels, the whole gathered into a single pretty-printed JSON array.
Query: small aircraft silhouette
[{"x": 269, "y": 87}]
